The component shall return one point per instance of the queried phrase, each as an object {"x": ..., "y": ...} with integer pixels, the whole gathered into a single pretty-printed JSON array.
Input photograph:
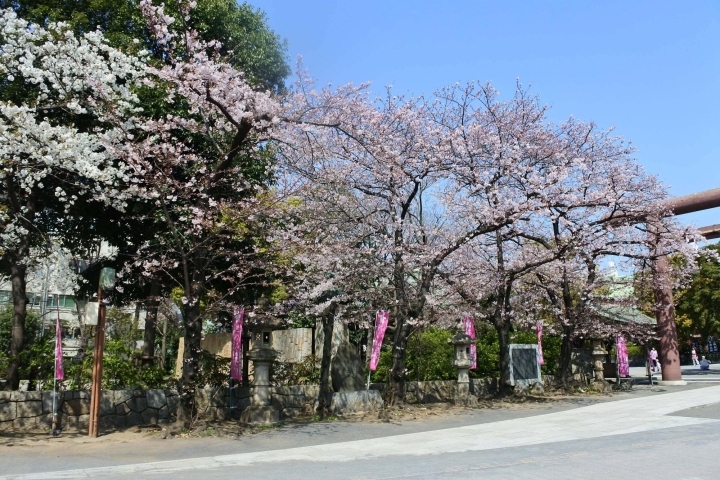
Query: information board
[{"x": 524, "y": 364}]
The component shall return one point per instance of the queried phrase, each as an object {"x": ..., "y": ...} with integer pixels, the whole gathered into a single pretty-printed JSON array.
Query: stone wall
[
  {"x": 435, "y": 391},
  {"x": 127, "y": 408},
  {"x": 291, "y": 401},
  {"x": 118, "y": 409}
]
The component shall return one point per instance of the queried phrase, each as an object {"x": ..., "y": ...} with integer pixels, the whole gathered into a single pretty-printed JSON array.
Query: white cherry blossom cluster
[{"x": 41, "y": 150}]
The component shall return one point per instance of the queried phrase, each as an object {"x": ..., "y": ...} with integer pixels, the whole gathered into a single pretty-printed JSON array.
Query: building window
[
  {"x": 64, "y": 301},
  {"x": 34, "y": 300},
  {"x": 67, "y": 301}
]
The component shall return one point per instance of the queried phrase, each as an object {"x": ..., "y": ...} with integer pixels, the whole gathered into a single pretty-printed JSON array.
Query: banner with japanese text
[
  {"x": 381, "y": 322},
  {"x": 236, "y": 355},
  {"x": 622, "y": 356},
  {"x": 470, "y": 330},
  {"x": 541, "y": 359},
  {"x": 59, "y": 371}
]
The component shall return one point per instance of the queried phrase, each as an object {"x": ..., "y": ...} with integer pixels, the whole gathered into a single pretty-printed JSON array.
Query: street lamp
[{"x": 106, "y": 283}]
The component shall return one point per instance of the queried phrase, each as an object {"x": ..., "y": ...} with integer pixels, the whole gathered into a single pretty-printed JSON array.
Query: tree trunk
[
  {"x": 503, "y": 331},
  {"x": 565, "y": 371},
  {"x": 191, "y": 363},
  {"x": 325, "y": 387},
  {"x": 153, "y": 303},
  {"x": 19, "y": 295},
  {"x": 395, "y": 394}
]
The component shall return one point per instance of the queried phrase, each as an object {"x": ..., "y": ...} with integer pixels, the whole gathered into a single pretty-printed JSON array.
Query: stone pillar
[
  {"x": 463, "y": 386},
  {"x": 260, "y": 412},
  {"x": 340, "y": 336},
  {"x": 598, "y": 355}
]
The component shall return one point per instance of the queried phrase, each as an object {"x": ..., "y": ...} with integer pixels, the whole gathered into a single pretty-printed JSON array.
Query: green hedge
[
  {"x": 430, "y": 356},
  {"x": 37, "y": 357}
]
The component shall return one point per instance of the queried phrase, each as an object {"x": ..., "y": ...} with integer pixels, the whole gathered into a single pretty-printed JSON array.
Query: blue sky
[{"x": 651, "y": 69}]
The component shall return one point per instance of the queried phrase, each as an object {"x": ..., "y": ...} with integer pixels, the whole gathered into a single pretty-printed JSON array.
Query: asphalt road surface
[{"x": 658, "y": 433}]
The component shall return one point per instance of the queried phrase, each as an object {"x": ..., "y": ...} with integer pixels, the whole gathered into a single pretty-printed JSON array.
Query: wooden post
[{"x": 96, "y": 388}]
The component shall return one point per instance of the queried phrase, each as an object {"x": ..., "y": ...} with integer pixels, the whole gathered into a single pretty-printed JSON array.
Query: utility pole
[
  {"x": 107, "y": 280},
  {"x": 99, "y": 348}
]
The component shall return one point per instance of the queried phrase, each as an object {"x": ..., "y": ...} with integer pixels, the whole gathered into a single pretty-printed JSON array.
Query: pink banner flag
[
  {"x": 622, "y": 356},
  {"x": 470, "y": 330},
  {"x": 381, "y": 322},
  {"x": 541, "y": 359},
  {"x": 59, "y": 371},
  {"x": 236, "y": 358}
]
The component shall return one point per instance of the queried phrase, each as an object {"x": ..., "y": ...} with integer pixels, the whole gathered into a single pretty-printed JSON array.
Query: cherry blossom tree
[
  {"x": 403, "y": 180},
  {"x": 203, "y": 167},
  {"x": 576, "y": 289},
  {"x": 586, "y": 194},
  {"x": 56, "y": 88},
  {"x": 509, "y": 159}
]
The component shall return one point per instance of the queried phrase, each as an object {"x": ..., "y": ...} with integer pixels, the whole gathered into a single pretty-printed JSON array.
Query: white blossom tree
[{"x": 56, "y": 88}]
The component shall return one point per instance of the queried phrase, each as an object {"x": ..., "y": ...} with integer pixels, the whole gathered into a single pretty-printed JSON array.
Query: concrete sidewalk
[
  {"x": 604, "y": 419},
  {"x": 690, "y": 373}
]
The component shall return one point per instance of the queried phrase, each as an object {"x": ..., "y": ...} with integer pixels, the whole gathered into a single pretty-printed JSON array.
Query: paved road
[
  {"x": 690, "y": 374},
  {"x": 671, "y": 435}
]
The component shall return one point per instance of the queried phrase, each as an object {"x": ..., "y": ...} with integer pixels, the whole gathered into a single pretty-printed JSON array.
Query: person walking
[
  {"x": 653, "y": 360},
  {"x": 694, "y": 357}
]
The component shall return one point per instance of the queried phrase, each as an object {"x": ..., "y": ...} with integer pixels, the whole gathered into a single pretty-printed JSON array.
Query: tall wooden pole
[{"x": 96, "y": 388}]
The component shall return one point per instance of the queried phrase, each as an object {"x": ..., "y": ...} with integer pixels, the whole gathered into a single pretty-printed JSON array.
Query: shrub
[
  {"x": 384, "y": 364},
  {"x": 306, "y": 372},
  {"x": 430, "y": 356},
  {"x": 120, "y": 371},
  {"x": 37, "y": 357},
  {"x": 214, "y": 370}
]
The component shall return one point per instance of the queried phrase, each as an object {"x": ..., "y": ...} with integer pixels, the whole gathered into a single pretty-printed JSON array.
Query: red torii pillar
[{"x": 665, "y": 306}]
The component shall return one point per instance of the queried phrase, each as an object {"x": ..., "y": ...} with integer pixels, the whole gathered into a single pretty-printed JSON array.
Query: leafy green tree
[{"x": 698, "y": 305}]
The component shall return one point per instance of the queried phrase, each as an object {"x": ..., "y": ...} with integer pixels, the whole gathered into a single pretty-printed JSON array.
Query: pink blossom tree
[
  {"x": 587, "y": 197},
  {"x": 203, "y": 168},
  {"x": 400, "y": 180}
]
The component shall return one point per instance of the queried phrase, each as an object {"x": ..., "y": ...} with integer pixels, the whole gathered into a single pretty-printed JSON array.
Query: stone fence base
[
  {"x": 32, "y": 411},
  {"x": 435, "y": 391},
  {"x": 290, "y": 401},
  {"x": 118, "y": 409}
]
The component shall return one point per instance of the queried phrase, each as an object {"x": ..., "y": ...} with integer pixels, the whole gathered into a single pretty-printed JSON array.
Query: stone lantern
[
  {"x": 598, "y": 355},
  {"x": 463, "y": 361},
  {"x": 262, "y": 355}
]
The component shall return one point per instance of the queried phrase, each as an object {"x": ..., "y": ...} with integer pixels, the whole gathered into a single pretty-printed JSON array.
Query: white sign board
[{"x": 91, "y": 313}]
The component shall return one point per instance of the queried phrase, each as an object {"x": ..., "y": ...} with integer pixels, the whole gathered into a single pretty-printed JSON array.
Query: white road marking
[{"x": 599, "y": 420}]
